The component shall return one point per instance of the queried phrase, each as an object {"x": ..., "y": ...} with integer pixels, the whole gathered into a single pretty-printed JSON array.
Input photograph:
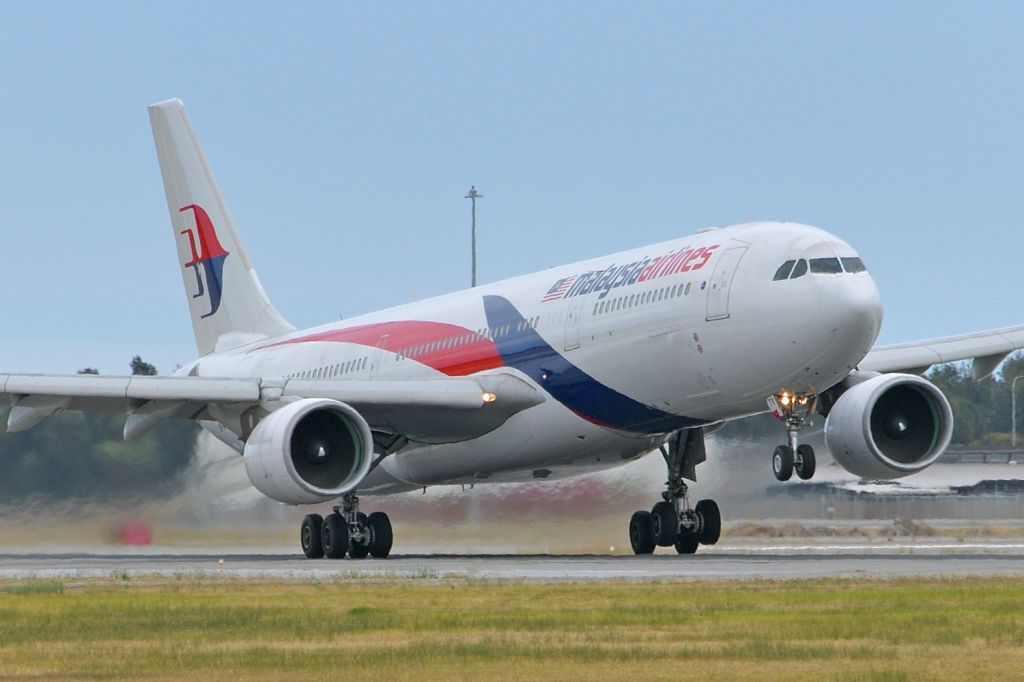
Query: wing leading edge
[
  {"x": 436, "y": 410},
  {"x": 986, "y": 350}
]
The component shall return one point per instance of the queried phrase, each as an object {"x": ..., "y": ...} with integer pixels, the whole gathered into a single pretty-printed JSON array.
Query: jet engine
[
  {"x": 309, "y": 451},
  {"x": 889, "y": 426}
]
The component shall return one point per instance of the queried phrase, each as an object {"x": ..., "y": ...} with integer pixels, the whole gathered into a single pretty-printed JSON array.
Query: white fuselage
[{"x": 627, "y": 348}]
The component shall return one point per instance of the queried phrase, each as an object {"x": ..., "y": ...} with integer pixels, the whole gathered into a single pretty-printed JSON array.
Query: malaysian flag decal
[{"x": 560, "y": 287}]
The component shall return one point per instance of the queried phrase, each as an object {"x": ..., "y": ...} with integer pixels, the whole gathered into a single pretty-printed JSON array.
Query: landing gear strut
[
  {"x": 672, "y": 522},
  {"x": 794, "y": 409},
  {"x": 347, "y": 530}
]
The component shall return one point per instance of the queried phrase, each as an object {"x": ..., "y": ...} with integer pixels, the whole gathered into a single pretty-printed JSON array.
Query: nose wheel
[
  {"x": 786, "y": 462},
  {"x": 794, "y": 409}
]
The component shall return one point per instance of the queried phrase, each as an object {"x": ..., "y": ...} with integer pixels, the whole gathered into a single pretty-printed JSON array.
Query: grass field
[{"x": 203, "y": 628}]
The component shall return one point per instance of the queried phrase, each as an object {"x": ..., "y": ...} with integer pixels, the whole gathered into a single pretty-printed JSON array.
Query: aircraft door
[
  {"x": 380, "y": 356},
  {"x": 573, "y": 318},
  {"x": 721, "y": 283}
]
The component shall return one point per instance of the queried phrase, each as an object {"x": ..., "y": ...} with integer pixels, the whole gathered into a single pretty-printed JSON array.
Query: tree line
[{"x": 80, "y": 455}]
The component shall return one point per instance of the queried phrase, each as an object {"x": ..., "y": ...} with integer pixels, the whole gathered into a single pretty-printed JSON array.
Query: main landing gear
[
  {"x": 346, "y": 531},
  {"x": 794, "y": 409},
  {"x": 672, "y": 522}
]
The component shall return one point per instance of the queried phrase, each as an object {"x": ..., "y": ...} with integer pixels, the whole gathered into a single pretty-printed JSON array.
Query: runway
[{"x": 740, "y": 562}]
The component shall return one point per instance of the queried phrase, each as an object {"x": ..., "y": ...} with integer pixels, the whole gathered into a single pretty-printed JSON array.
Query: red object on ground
[{"x": 136, "y": 533}]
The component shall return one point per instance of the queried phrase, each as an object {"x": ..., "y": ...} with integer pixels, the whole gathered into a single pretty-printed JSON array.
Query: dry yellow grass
[{"x": 210, "y": 629}]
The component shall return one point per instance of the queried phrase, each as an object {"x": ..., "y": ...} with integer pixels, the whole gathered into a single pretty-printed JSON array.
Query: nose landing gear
[
  {"x": 794, "y": 409},
  {"x": 672, "y": 522}
]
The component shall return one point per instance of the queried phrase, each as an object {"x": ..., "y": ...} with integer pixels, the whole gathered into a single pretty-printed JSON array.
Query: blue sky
[{"x": 344, "y": 137}]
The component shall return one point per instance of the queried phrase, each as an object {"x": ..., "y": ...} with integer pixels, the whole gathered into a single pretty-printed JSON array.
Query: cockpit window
[
  {"x": 783, "y": 271},
  {"x": 853, "y": 265},
  {"x": 826, "y": 266},
  {"x": 800, "y": 270}
]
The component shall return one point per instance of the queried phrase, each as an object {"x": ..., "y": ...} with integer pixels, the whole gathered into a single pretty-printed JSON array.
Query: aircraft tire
[
  {"x": 687, "y": 542},
  {"x": 664, "y": 523},
  {"x": 710, "y": 522},
  {"x": 310, "y": 536},
  {"x": 782, "y": 463},
  {"x": 334, "y": 536},
  {"x": 805, "y": 463},
  {"x": 641, "y": 533},
  {"x": 381, "y": 535}
]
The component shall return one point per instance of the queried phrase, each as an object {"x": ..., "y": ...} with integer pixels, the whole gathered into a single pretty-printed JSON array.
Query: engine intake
[
  {"x": 889, "y": 426},
  {"x": 309, "y": 451}
]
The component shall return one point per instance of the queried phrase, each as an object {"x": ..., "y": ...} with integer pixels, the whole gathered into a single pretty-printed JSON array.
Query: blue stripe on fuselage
[{"x": 520, "y": 346}]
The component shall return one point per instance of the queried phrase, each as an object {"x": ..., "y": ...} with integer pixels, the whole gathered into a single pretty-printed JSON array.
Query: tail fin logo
[{"x": 208, "y": 254}]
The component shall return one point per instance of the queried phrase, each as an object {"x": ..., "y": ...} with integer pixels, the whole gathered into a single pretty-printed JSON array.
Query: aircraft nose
[{"x": 857, "y": 303}]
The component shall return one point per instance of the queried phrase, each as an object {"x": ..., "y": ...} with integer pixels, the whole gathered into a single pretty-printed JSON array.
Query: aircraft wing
[
  {"x": 438, "y": 410},
  {"x": 986, "y": 349}
]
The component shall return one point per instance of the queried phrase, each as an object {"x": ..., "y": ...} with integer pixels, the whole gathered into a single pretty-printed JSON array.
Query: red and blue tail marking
[{"x": 209, "y": 254}]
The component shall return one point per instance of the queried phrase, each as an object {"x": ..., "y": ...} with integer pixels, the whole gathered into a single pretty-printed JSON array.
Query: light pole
[
  {"x": 1013, "y": 409},
  {"x": 473, "y": 195}
]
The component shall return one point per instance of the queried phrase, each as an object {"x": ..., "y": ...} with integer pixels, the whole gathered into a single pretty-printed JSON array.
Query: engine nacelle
[
  {"x": 309, "y": 451},
  {"x": 889, "y": 426}
]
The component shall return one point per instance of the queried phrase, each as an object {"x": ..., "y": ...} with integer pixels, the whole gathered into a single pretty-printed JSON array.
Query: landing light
[
  {"x": 787, "y": 399},
  {"x": 489, "y": 397}
]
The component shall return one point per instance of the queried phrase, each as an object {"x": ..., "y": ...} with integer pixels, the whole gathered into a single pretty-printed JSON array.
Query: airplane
[{"x": 575, "y": 369}]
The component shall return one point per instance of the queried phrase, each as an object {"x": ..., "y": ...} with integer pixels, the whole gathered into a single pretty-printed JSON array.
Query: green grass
[{"x": 202, "y": 628}]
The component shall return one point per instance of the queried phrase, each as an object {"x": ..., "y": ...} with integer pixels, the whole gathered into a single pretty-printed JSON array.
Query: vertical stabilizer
[{"x": 227, "y": 303}]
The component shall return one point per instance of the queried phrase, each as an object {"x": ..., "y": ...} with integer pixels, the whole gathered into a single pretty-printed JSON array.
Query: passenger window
[
  {"x": 783, "y": 271},
  {"x": 853, "y": 265},
  {"x": 826, "y": 266},
  {"x": 800, "y": 270}
]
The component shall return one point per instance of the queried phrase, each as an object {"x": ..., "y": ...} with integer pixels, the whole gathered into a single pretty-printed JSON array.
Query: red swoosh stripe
[{"x": 448, "y": 348}]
